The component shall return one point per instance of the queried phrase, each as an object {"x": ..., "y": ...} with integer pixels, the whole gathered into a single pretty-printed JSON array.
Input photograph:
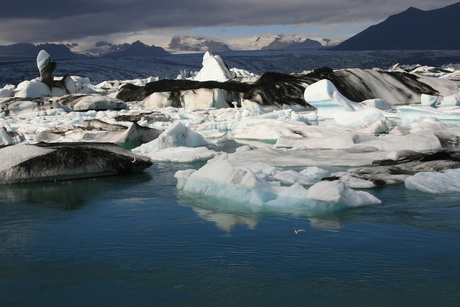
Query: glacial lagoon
[{"x": 137, "y": 240}]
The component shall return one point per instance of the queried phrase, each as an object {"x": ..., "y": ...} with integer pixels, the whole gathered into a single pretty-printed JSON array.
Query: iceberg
[
  {"x": 175, "y": 136},
  {"x": 416, "y": 111},
  {"x": 204, "y": 98},
  {"x": 83, "y": 102},
  {"x": 428, "y": 100},
  {"x": 324, "y": 96},
  {"x": 358, "y": 118},
  {"x": 435, "y": 182},
  {"x": 219, "y": 178},
  {"x": 50, "y": 162},
  {"x": 265, "y": 132},
  {"x": 451, "y": 100},
  {"x": 336, "y": 192},
  {"x": 181, "y": 154},
  {"x": 377, "y": 103},
  {"x": 338, "y": 143},
  {"x": 214, "y": 69}
]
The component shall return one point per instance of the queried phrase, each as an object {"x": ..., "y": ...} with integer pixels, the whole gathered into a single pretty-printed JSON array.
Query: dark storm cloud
[{"x": 52, "y": 20}]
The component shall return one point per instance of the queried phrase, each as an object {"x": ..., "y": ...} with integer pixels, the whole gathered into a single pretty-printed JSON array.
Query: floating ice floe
[
  {"x": 99, "y": 131},
  {"x": 83, "y": 102},
  {"x": 220, "y": 179},
  {"x": 435, "y": 182},
  {"x": 48, "y": 162},
  {"x": 330, "y": 137},
  {"x": 360, "y": 117},
  {"x": 268, "y": 126},
  {"x": 417, "y": 111},
  {"x": 451, "y": 100},
  {"x": 181, "y": 154}
]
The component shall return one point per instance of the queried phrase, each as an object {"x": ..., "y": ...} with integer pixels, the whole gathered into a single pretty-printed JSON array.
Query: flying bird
[{"x": 298, "y": 230}]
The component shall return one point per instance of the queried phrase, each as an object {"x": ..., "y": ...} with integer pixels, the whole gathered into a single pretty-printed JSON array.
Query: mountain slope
[
  {"x": 412, "y": 29},
  {"x": 189, "y": 43},
  {"x": 138, "y": 49},
  {"x": 24, "y": 50},
  {"x": 262, "y": 42}
]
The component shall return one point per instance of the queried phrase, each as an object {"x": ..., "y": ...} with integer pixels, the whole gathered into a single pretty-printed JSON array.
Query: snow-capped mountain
[
  {"x": 106, "y": 49},
  {"x": 102, "y": 48},
  {"x": 190, "y": 43},
  {"x": 262, "y": 42},
  {"x": 281, "y": 41}
]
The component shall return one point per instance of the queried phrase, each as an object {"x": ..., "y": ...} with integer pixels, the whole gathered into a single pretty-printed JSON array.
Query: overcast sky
[{"x": 116, "y": 21}]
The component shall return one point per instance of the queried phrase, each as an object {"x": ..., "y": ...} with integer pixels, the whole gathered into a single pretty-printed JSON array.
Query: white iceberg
[
  {"x": 181, "y": 154},
  {"x": 175, "y": 136},
  {"x": 336, "y": 192},
  {"x": 214, "y": 69},
  {"x": 204, "y": 98},
  {"x": 220, "y": 179},
  {"x": 429, "y": 100},
  {"x": 437, "y": 183},
  {"x": 451, "y": 112},
  {"x": 324, "y": 96},
  {"x": 36, "y": 89},
  {"x": 358, "y": 118},
  {"x": 451, "y": 100}
]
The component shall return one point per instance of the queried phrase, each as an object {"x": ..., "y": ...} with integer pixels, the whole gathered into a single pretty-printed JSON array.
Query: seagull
[{"x": 298, "y": 230}]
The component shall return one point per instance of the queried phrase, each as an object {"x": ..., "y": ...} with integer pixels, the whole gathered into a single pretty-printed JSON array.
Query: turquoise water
[{"x": 136, "y": 241}]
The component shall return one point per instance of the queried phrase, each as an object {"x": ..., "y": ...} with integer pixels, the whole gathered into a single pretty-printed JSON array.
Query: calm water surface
[{"x": 135, "y": 240}]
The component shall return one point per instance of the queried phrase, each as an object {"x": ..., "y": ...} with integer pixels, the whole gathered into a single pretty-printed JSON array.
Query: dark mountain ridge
[
  {"x": 138, "y": 49},
  {"x": 413, "y": 29},
  {"x": 61, "y": 51},
  {"x": 25, "y": 50}
]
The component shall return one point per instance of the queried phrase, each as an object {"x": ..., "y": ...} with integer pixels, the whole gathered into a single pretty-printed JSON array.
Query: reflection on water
[
  {"x": 136, "y": 240},
  {"x": 226, "y": 213},
  {"x": 68, "y": 194}
]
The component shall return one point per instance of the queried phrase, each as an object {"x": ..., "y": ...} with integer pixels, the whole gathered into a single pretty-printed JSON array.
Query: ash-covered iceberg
[
  {"x": 62, "y": 161},
  {"x": 47, "y": 85}
]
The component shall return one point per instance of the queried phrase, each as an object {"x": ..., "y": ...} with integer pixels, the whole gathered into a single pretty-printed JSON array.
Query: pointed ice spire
[
  {"x": 214, "y": 69},
  {"x": 46, "y": 67}
]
